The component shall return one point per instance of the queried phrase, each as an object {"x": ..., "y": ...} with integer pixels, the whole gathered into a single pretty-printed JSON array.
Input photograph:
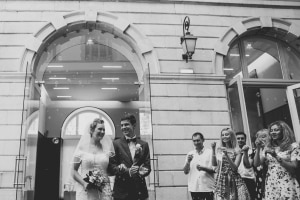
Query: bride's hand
[
  {"x": 85, "y": 186},
  {"x": 122, "y": 167}
]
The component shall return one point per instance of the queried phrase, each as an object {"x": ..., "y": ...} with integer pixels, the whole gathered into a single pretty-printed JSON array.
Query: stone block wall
[{"x": 181, "y": 103}]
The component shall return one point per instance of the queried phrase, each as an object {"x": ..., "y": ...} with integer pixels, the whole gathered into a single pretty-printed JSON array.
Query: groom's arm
[
  {"x": 147, "y": 162},
  {"x": 114, "y": 164}
]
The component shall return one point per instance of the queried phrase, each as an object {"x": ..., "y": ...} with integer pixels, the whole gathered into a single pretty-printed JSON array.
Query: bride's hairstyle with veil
[
  {"x": 93, "y": 125},
  {"x": 84, "y": 142}
]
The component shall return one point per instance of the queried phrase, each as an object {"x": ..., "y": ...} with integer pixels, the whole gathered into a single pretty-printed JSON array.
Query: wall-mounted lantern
[{"x": 187, "y": 41}]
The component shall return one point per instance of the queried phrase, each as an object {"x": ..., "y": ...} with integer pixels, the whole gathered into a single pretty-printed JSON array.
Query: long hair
[
  {"x": 232, "y": 138},
  {"x": 287, "y": 133}
]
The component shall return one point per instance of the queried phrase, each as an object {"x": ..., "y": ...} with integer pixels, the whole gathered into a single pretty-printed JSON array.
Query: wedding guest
[
  {"x": 282, "y": 156},
  {"x": 260, "y": 169},
  {"x": 198, "y": 167},
  {"x": 245, "y": 169},
  {"x": 131, "y": 163},
  {"x": 229, "y": 184}
]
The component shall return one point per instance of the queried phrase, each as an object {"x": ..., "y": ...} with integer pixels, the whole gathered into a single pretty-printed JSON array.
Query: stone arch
[
  {"x": 291, "y": 34},
  {"x": 140, "y": 45}
]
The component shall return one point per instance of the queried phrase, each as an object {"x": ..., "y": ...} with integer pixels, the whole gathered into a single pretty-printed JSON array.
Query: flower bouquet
[{"x": 96, "y": 180}]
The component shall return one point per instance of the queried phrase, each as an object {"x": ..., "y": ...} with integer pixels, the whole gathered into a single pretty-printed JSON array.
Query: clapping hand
[
  {"x": 224, "y": 150},
  {"x": 190, "y": 158},
  {"x": 245, "y": 148},
  {"x": 259, "y": 143},
  {"x": 271, "y": 152},
  {"x": 213, "y": 145}
]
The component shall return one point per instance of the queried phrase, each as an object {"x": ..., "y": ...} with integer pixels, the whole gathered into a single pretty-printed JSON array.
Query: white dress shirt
[
  {"x": 246, "y": 172},
  {"x": 200, "y": 181},
  {"x": 131, "y": 146}
]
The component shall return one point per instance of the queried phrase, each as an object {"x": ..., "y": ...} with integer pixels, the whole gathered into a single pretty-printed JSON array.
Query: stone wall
[{"x": 181, "y": 103}]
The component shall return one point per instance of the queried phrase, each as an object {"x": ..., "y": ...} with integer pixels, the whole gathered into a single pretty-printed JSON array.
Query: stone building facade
[{"x": 147, "y": 34}]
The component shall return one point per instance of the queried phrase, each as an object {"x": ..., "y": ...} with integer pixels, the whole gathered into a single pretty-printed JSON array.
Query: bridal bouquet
[{"x": 96, "y": 179}]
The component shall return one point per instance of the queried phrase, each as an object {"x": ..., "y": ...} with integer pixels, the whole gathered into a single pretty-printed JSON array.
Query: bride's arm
[{"x": 76, "y": 175}]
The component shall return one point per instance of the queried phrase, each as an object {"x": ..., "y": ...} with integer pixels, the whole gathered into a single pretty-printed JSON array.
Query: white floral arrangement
[{"x": 138, "y": 152}]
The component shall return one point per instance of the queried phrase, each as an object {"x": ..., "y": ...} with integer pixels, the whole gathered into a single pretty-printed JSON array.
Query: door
[
  {"x": 293, "y": 96},
  {"x": 238, "y": 111},
  {"x": 254, "y": 106},
  {"x": 25, "y": 170},
  {"x": 47, "y": 156}
]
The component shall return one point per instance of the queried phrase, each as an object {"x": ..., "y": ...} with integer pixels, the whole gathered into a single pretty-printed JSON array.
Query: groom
[{"x": 131, "y": 163}]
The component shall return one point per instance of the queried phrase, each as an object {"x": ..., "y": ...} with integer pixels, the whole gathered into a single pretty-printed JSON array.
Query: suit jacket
[{"x": 125, "y": 185}]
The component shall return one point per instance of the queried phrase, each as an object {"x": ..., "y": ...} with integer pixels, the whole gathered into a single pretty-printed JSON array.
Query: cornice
[{"x": 187, "y": 78}]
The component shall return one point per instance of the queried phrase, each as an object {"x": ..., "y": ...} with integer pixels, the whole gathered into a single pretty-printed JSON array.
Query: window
[
  {"x": 78, "y": 122},
  {"x": 258, "y": 70},
  {"x": 262, "y": 57}
]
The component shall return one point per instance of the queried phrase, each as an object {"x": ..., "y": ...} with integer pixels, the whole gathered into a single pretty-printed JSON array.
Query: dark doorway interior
[{"x": 47, "y": 168}]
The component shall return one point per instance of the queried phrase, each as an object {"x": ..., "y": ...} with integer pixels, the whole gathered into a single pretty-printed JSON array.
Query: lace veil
[{"x": 84, "y": 144}]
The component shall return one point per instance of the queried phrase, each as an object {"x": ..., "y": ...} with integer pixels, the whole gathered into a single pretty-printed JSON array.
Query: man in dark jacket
[{"x": 131, "y": 163}]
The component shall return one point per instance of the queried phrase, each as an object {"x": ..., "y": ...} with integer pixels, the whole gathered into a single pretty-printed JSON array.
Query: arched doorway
[{"x": 84, "y": 64}]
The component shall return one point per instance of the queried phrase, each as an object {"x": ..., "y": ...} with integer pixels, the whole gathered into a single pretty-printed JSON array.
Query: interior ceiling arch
[{"x": 93, "y": 62}]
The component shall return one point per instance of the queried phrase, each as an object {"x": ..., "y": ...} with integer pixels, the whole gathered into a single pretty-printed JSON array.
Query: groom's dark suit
[{"x": 126, "y": 186}]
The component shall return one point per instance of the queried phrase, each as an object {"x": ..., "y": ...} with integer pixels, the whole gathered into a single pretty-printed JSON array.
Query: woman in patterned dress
[
  {"x": 229, "y": 184},
  {"x": 282, "y": 156},
  {"x": 260, "y": 169}
]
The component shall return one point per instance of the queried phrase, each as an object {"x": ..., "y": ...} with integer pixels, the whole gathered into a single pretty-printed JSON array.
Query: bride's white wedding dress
[{"x": 90, "y": 162}]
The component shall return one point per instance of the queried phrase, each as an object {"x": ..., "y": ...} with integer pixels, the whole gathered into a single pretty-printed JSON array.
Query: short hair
[
  {"x": 130, "y": 117},
  {"x": 287, "y": 133},
  {"x": 232, "y": 137},
  {"x": 263, "y": 131},
  {"x": 266, "y": 131},
  {"x": 241, "y": 133},
  {"x": 200, "y": 134},
  {"x": 94, "y": 124}
]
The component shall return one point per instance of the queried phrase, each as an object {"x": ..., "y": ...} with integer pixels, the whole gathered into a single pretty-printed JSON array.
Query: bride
[{"x": 92, "y": 156}]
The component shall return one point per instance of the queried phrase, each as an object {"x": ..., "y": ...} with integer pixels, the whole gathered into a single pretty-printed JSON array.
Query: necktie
[{"x": 131, "y": 140}]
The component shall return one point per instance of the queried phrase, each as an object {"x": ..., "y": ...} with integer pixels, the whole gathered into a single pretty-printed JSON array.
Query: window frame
[
  {"x": 79, "y": 111},
  {"x": 282, "y": 59}
]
